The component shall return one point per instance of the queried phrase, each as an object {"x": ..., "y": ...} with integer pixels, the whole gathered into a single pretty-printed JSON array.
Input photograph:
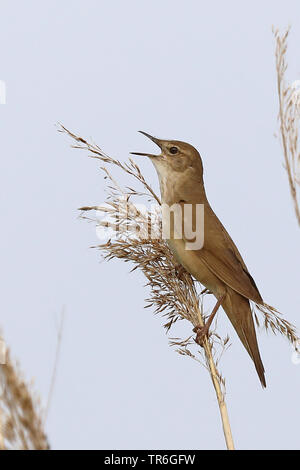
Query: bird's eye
[{"x": 173, "y": 150}]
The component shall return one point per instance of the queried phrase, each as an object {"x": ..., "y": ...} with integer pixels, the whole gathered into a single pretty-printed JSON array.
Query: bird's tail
[{"x": 239, "y": 313}]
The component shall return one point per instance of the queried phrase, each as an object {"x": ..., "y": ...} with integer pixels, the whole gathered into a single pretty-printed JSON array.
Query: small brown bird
[{"x": 218, "y": 265}]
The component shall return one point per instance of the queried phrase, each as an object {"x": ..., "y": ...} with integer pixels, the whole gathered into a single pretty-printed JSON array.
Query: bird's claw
[{"x": 201, "y": 332}]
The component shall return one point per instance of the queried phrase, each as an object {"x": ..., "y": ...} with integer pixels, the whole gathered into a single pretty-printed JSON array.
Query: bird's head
[{"x": 175, "y": 156}]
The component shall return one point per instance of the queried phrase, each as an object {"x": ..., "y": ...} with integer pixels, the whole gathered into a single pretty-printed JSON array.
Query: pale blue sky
[{"x": 197, "y": 71}]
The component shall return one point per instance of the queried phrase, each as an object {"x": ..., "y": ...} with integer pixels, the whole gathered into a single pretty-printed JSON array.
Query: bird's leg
[
  {"x": 205, "y": 291},
  {"x": 201, "y": 331}
]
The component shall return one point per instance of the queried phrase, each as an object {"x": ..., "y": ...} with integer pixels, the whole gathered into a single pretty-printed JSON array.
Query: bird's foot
[{"x": 201, "y": 332}]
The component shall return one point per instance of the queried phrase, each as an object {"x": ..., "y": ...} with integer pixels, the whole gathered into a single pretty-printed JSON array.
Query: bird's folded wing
[
  {"x": 227, "y": 267},
  {"x": 222, "y": 257}
]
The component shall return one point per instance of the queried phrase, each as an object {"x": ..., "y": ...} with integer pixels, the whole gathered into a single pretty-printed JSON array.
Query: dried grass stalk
[
  {"x": 137, "y": 238},
  {"x": 21, "y": 423},
  {"x": 289, "y": 115}
]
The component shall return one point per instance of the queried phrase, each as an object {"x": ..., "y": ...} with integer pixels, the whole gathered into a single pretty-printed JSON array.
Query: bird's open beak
[{"x": 154, "y": 139}]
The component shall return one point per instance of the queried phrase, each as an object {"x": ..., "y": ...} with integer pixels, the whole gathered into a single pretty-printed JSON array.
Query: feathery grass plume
[
  {"x": 137, "y": 238},
  {"x": 273, "y": 321},
  {"x": 21, "y": 422},
  {"x": 289, "y": 115}
]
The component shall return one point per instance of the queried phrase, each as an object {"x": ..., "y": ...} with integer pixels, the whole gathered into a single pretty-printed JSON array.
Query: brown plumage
[{"x": 218, "y": 265}]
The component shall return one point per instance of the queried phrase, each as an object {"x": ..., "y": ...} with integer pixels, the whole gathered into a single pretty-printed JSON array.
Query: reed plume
[
  {"x": 21, "y": 421},
  {"x": 289, "y": 115}
]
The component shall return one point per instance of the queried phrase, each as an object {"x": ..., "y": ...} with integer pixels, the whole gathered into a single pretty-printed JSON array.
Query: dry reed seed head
[
  {"x": 8, "y": 430},
  {"x": 21, "y": 416},
  {"x": 274, "y": 322},
  {"x": 289, "y": 115}
]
